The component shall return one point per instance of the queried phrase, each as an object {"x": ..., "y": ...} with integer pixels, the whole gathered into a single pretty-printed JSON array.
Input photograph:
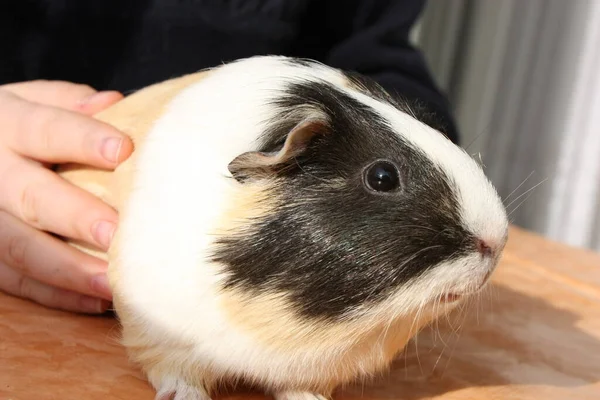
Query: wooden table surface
[{"x": 534, "y": 334}]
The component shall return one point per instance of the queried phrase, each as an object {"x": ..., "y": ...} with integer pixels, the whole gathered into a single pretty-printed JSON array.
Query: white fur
[{"x": 165, "y": 275}]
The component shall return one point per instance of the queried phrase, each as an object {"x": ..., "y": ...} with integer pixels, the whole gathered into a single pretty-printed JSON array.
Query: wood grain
[{"x": 534, "y": 334}]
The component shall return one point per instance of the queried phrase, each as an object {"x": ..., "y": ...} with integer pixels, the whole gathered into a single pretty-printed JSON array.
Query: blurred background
[{"x": 524, "y": 80}]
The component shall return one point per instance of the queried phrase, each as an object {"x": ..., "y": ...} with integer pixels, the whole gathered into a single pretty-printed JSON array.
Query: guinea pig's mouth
[{"x": 454, "y": 297}]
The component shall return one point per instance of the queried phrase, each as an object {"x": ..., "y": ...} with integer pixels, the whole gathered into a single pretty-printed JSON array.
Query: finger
[
  {"x": 37, "y": 255},
  {"x": 45, "y": 201},
  {"x": 53, "y": 135},
  {"x": 61, "y": 94},
  {"x": 18, "y": 285},
  {"x": 98, "y": 102}
]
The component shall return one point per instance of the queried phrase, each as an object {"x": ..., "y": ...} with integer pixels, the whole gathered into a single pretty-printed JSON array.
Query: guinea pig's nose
[{"x": 484, "y": 248}]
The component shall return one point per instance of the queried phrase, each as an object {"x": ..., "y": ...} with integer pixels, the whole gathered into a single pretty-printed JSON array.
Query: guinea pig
[{"x": 286, "y": 224}]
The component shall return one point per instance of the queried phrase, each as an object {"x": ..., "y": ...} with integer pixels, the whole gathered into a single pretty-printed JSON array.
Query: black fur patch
[
  {"x": 334, "y": 247},
  {"x": 412, "y": 106}
]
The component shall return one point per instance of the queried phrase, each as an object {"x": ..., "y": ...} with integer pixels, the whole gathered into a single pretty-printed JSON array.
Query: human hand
[{"x": 44, "y": 123}]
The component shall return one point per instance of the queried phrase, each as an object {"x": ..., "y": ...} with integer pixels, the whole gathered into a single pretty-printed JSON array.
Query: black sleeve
[{"x": 372, "y": 37}]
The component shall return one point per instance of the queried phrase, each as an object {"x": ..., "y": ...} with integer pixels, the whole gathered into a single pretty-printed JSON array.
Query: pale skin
[{"x": 44, "y": 123}]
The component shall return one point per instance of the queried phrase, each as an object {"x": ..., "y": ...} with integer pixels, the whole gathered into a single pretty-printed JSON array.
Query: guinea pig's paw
[
  {"x": 294, "y": 395},
  {"x": 179, "y": 390}
]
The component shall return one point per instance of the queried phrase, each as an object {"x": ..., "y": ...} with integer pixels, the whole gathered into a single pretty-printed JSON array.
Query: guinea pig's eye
[{"x": 382, "y": 176}]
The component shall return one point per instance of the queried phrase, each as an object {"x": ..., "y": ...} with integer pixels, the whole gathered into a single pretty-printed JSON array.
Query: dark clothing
[{"x": 127, "y": 44}]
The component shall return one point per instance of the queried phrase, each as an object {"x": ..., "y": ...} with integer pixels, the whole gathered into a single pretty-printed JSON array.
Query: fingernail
[
  {"x": 111, "y": 147},
  {"x": 103, "y": 232},
  {"x": 92, "y": 305},
  {"x": 101, "y": 286}
]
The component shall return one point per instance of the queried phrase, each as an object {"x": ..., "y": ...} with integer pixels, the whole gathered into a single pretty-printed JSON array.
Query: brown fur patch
[
  {"x": 249, "y": 202},
  {"x": 365, "y": 346}
]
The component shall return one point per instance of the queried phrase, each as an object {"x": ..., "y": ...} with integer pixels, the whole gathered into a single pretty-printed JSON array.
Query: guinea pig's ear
[{"x": 256, "y": 165}]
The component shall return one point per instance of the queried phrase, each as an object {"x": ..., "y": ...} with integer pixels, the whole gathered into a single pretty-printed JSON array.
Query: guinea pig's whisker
[
  {"x": 452, "y": 352},
  {"x": 492, "y": 297},
  {"x": 388, "y": 324},
  {"x": 424, "y": 301},
  {"x": 392, "y": 271},
  {"x": 416, "y": 334},
  {"x": 449, "y": 321},
  {"x": 438, "y": 331},
  {"x": 512, "y": 220},
  {"x": 485, "y": 294},
  {"x": 448, "y": 316},
  {"x": 518, "y": 187},
  {"x": 477, "y": 306},
  {"x": 478, "y": 136},
  {"x": 439, "y": 358},
  {"x": 436, "y": 307},
  {"x": 456, "y": 330},
  {"x": 525, "y": 193},
  {"x": 417, "y": 346},
  {"x": 528, "y": 193},
  {"x": 462, "y": 315},
  {"x": 441, "y": 233}
]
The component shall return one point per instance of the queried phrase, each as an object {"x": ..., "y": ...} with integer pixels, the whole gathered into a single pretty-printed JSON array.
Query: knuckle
[
  {"x": 36, "y": 129},
  {"x": 28, "y": 205},
  {"x": 17, "y": 252},
  {"x": 55, "y": 297},
  {"x": 80, "y": 228},
  {"x": 90, "y": 134},
  {"x": 25, "y": 287}
]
